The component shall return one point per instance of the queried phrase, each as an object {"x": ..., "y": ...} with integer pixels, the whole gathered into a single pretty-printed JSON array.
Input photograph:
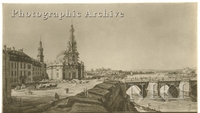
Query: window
[
  {"x": 29, "y": 73},
  {"x": 29, "y": 66},
  {"x": 21, "y": 65},
  {"x": 24, "y": 66}
]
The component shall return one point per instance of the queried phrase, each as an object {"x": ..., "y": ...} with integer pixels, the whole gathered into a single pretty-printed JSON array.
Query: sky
[{"x": 148, "y": 36}]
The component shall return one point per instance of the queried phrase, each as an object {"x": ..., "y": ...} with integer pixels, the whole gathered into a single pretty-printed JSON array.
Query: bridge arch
[
  {"x": 140, "y": 88},
  {"x": 134, "y": 92},
  {"x": 194, "y": 92},
  {"x": 169, "y": 91},
  {"x": 173, "y": 91}
]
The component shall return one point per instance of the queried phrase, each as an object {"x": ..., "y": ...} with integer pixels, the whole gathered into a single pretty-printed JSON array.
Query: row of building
[
  {"x": 19, "y": 68},
  {"x": 22, "y": 68}
]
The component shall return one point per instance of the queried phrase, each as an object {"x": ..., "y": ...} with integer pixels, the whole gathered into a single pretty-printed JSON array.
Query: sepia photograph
[{"x": 99, "y": 57}]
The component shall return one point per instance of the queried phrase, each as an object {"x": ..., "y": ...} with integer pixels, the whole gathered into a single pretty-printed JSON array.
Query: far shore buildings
[{"x": 67, "y": 64}]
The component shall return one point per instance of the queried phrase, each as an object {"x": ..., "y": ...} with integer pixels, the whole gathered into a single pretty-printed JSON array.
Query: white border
[{"x": 92, "y": 1}]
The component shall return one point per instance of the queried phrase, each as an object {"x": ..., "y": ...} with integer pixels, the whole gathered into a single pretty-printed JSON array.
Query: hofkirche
[{"x": 67, "y": 64}]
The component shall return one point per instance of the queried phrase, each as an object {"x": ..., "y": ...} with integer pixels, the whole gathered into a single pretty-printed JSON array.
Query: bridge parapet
[{"x": 169, "y": 83}]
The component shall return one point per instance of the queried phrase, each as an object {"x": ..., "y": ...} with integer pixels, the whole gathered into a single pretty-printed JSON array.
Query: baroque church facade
[{"x": 67, "y": 65}]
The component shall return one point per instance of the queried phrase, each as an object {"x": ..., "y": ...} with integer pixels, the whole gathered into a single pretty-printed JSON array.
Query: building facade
[
  {"x": 67, "y": 64},
  {"x": 6, "y": 78},
  {"x": 24, "y": 69}
]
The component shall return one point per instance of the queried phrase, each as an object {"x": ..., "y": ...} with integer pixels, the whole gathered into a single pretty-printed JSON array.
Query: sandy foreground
[{"x": 44, "y": 96}]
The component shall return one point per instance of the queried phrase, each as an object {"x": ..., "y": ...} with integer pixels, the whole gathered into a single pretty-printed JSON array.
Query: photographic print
[{"x": 113, "y": 58}]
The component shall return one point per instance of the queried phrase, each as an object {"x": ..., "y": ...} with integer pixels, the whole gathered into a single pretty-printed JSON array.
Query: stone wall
[{"x": 109, "y": 96}]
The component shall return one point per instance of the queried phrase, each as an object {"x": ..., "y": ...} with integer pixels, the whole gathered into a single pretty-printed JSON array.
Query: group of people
[
  {"x": 18, "y": 87},
  {"x": 28, "y": 91}
]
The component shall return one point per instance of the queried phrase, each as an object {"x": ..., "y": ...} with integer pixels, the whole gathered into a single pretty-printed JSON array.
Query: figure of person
[
  {"x": 67, "y": 90},
  {"x": 85, "y": 92},
  {"x": 56, "y": 96}
]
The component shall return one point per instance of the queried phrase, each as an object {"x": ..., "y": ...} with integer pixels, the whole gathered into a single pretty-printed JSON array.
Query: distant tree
[{"x": 120, "y": 71}]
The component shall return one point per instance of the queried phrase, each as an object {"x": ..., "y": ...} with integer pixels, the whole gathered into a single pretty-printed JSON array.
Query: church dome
[{"x": 62, "y": 58}]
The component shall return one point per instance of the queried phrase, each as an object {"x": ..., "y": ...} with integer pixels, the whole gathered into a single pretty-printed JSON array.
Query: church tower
[
  {"x": 40, "y": 55},
  {"x": 73, "y": 54}
]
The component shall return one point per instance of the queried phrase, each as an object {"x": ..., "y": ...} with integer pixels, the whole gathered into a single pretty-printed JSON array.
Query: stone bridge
[{"x": 173, "y": 85}]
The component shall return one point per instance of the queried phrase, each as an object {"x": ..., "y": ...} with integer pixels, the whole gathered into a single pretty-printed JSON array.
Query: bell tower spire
[
  {"x": 40, "y": 55},
  {"x": 72, "y": 47}
]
